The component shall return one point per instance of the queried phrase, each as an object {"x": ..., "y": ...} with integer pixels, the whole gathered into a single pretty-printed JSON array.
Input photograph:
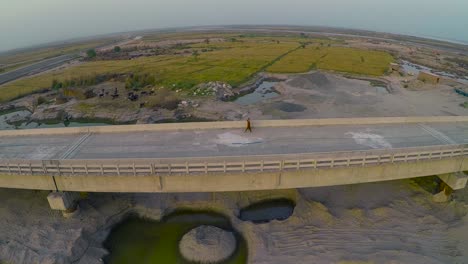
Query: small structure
[
  {"x": 428, "y": 77},
  {"x": 394, "y": 67}
]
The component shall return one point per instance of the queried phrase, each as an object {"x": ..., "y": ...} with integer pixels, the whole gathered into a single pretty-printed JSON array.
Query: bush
[
  {"x": 117, "y": 49},
  {"x": 137, "y": 81},
  {"x": 56, "y": 84},
  {"x": 82, "y": 81},
  {"x": 91, "y": 53}
]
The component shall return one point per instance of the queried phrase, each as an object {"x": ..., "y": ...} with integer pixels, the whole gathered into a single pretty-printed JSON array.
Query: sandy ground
[
  {"x": 387, "y": 222},
  {"x": 326, "y": 95},
  {"x": 329, "y": 95}
]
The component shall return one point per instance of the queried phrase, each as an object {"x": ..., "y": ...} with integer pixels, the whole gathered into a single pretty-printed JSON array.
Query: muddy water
[
  {"x": 262, "y": 92},
  {"x": 266, "y": 211},
  {"x": 145, "y": 241}
]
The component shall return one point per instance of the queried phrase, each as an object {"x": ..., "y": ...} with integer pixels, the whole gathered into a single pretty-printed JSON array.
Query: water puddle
[
  {"x": 21, "y": 115},
  {"x": 381, "y": 90},
  {"x": 266, "y": 211},
  {"x": 264, "y": 91},
  {"x": 140, "y": 240}
]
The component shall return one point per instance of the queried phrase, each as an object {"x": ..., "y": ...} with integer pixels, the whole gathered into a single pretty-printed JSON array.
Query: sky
[{"x": 29, "y": 22}]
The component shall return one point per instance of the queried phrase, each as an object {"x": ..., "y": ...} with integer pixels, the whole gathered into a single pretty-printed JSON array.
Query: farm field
[
  {"x": 340, "y": 59},
  {"x": 233, "y": 61}
]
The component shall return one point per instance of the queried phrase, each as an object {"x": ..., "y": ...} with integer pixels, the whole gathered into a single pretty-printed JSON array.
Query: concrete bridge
[{"x": 218, "y": 156}]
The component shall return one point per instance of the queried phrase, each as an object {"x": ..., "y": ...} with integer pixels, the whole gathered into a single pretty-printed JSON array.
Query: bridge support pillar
[
  {"x": 450, "y": 182},
  {"x": 65, "y": 202},
  {"x": 456, "y": 180}
]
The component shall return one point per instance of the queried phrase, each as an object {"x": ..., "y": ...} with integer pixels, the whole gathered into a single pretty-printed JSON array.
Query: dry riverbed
[{"x": 388, "y": 222}]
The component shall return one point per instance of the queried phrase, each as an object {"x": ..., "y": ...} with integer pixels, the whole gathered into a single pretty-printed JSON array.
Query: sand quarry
[{"x": 387, "y": 222}]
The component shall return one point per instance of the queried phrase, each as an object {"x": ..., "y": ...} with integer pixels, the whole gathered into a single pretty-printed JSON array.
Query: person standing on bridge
[{"x": 249, "y": 126}]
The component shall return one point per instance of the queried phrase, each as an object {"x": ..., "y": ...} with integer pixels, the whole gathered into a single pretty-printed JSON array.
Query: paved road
[
  {"x": 226, "y": 142},
  {"x": 35, "y": 68}
]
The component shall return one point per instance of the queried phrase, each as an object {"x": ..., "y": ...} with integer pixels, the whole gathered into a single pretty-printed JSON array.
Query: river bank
[{"x": 316, "y": 94}]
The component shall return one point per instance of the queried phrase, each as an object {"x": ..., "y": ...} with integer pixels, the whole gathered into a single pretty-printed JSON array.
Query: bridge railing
[{"x": 230, "y": 164}]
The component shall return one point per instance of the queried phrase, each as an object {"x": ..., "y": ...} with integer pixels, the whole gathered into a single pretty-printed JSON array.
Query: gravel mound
[
  {"x": 313, "y": 81},
  {"x": 207, "y": 244}
]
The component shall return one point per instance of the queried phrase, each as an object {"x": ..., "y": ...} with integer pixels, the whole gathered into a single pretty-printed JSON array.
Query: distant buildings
[{"x": 428, "y": 77}]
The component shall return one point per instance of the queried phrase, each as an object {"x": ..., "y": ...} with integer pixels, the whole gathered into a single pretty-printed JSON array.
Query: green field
[
  {"x": 234, "y": 61},
  {"x": 340, "y": 59}
]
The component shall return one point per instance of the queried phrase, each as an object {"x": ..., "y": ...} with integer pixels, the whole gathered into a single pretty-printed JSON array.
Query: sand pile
[{"x": 207, "y": 244}]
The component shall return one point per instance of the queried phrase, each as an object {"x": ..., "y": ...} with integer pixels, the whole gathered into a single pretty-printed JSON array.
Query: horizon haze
[{"x": 40, "y": 22}]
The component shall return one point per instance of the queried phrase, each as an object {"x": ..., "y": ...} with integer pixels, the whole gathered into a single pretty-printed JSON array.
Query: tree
[
  {"x": 91, "y": 53},
  {"x": 195, "y": 54},
  {"x": 56, "y": 84},
  {"x": 117, "y": 49}
]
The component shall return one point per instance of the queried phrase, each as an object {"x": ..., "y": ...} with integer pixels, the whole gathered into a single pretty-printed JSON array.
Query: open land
[
  {"x": 216, "y": 74},
  {"x": 342, "y": 75}
]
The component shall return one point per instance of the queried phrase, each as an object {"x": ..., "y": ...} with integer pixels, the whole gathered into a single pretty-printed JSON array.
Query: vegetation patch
[
  {"x": 234, "y": 64},
  {"x": 342, "y": 59},
  {"x": 233, "y": 61}
]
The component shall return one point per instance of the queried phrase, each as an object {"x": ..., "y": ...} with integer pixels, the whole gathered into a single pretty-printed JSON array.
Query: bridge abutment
[{"x": 66, "y": 202}]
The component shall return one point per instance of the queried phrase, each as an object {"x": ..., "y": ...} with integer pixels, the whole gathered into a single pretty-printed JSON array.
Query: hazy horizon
[{"x": 45, "y": 21}]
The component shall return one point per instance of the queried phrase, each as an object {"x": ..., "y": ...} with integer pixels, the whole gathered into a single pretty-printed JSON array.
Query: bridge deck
[{"x": 232, "y": 142}]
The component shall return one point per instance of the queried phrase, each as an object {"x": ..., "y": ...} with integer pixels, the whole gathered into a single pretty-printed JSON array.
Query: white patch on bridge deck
[
  {"x": 234, "y": 140},
  {"x": 43, "y": 152},
  {"x": 370, "y": 140}
]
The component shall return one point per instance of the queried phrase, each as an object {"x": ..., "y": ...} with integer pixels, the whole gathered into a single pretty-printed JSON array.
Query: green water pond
[{"x": 145, "y": 241}]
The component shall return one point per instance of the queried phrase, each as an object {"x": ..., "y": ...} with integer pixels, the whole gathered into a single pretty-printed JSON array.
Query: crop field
[
  {"x": 340, "y": 59},
  {"x": 234, "y": 61}
]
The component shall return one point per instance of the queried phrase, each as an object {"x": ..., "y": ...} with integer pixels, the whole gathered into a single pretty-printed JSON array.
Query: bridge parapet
[{"x": 230, "y": 164}]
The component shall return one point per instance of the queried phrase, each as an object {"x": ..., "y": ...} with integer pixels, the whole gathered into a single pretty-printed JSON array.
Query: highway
[
  {"x": 231, "y": 142},
  {"x": 38, "y": 67}
]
